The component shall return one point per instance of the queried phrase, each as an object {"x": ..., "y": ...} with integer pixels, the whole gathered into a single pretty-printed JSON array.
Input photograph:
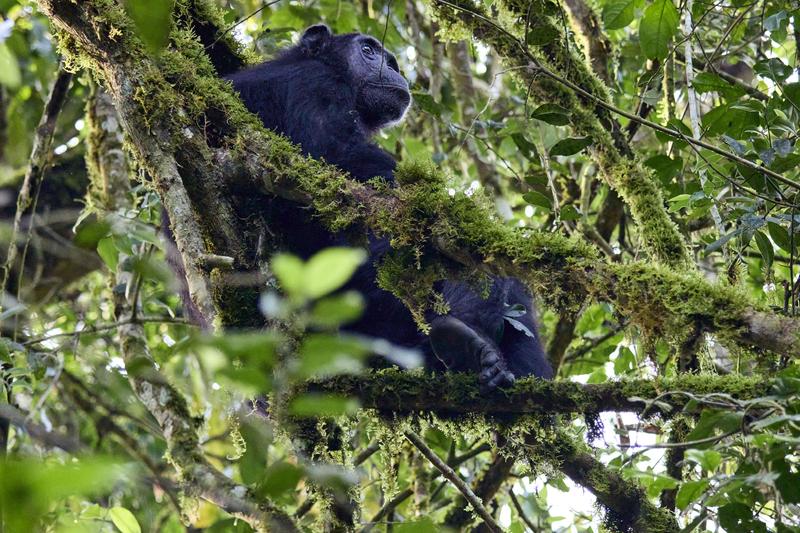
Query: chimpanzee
[{"x": 330, "y": 94}]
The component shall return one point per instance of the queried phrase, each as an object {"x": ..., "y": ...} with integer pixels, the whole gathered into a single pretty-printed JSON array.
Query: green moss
[
  {"x": 667, "y": 303},
  {"x": 659, "y": 234}
]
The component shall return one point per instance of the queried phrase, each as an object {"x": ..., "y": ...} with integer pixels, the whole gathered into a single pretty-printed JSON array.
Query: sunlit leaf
[
  {"x": 124, "y": 520},
  {"x": 329, "y": 354},
  {"x": 689, "y": 492},
  {"x": 321, "y": 405},
  {"x": 10, "y": 75},
  {"x": 153, "y": 19},
  {"x": 337, "y": 310},
  {"x": 290, "y": 271},
  {"x": 329, "y": 269},
  {"x": 619, "y": 13},
  {"x": 659, "y": 24},
  {"x": 108, "y": 252}
]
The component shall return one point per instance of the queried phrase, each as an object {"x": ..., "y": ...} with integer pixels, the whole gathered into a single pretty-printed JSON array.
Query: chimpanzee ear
[{"x": 315, "y": 37}]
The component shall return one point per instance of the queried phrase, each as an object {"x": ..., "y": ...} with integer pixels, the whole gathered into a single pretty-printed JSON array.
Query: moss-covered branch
[
  {"x": 626, "y": 503},
  {"x": 617, "y": 162},
  {"x": 457, "y": 394},
  {"x": 181, "y": 110}
]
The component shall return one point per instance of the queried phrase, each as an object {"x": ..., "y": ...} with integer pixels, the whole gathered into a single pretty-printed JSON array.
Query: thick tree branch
[
  {"x": 628, "y": 507},
  {"x": 458, "y": 394}
]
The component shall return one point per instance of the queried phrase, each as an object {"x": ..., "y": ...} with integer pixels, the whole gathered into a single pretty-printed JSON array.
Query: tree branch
[
  {"x": 448, "y": 473},
  {"x": 628, "y": 507},
  {"x": 38, "y": 432},
  {"x": 400, "y": 391},
  {"x": 612, "y": 153}
]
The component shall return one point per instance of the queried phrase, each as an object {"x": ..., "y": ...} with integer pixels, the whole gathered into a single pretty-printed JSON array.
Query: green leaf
[
  {"x": 552, "y": 114},
  {"x": 538, "y": 199},
  {"x": 89, "y": 233},
  {"x": 689, "y": 492},
  {"x": 255, "y": 347},
  {"x": 124, "y": 520},
  {"x": 711, "y": 422},
  {"x": 337, "y": 310},
  {"x": 664, "y": 166},
  {"x": 323, "y": 405},
  {"x": 773, "y": 68},
  {"x": 719, "y": 243},
  {"x": 290, "y": 271},
  {"x": 706, "y": 82},
  {"x": 619, "y": 13},
  {"x": 765, "y": 247},
  {"x": 792, "y": 93},
  {"x": 329, "y": 269},
  {"x": 421, "y": 525},
  {"x": 659, "y": 24},
  {"x": 29, "y": 487},
  {"x": 739, "y": 517},
  {"x": 152, "y": 19},
  {"x": 570, "y": 146},
  {"x": 10, "y": 75},
  {"x": 528, "y": 148},
  {"x": 326, "y": 355},
  {"x": 279, "y": 479},
  {"x": 776, "y": 21},
  {"x": 781, "y": 237},
  {"x": 569, "y": 212},
  {"x": 108, "y": 252},
  {"x": 708, "y": 459}
]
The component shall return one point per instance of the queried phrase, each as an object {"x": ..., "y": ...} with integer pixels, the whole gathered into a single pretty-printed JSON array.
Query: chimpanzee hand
[{"x": 458, "y": 346}]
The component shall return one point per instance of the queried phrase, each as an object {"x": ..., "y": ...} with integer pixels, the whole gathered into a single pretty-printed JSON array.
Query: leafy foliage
[{"x": 501, "y": 142}]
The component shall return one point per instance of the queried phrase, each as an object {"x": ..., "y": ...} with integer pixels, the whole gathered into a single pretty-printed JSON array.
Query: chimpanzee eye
[{"x": 367, "y": 49}]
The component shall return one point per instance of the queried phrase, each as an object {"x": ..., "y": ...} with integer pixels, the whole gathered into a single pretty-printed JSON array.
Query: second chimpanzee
[{"x": 330, "y": 94}]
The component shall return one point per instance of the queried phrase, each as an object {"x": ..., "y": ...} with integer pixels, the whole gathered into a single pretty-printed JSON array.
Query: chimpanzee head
[{"x": 381, "y": 92}]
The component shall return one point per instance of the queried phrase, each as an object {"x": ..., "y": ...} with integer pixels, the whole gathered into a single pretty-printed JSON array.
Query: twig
[
  {"x": 687, "y": 444},
  {"x": 695, "y": 116},
  {"x": 107, "y": 327},
  {"x": 390, "y": 506},
  {"x": 38, "y": 432},
  {"x": 448, "y": 473},
  {"x": 520, "y": 511},
  {"x": 366, "y": 453},
  {"x": 224, "y": 32}
]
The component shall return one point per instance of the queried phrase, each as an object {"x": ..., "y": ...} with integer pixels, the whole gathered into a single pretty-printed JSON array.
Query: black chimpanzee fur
[{"x": 330, "y": 94}]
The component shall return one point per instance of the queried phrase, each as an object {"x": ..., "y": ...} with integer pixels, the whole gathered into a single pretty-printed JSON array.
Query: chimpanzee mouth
[{"x": 389, "y": 85}]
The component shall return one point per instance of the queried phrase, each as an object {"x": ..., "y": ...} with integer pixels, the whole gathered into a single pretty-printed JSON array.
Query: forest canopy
[{"x": 633, "y": 162}]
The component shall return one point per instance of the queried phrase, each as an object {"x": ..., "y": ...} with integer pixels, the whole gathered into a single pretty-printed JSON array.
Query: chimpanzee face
[{"x": 382, "y": 95}]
